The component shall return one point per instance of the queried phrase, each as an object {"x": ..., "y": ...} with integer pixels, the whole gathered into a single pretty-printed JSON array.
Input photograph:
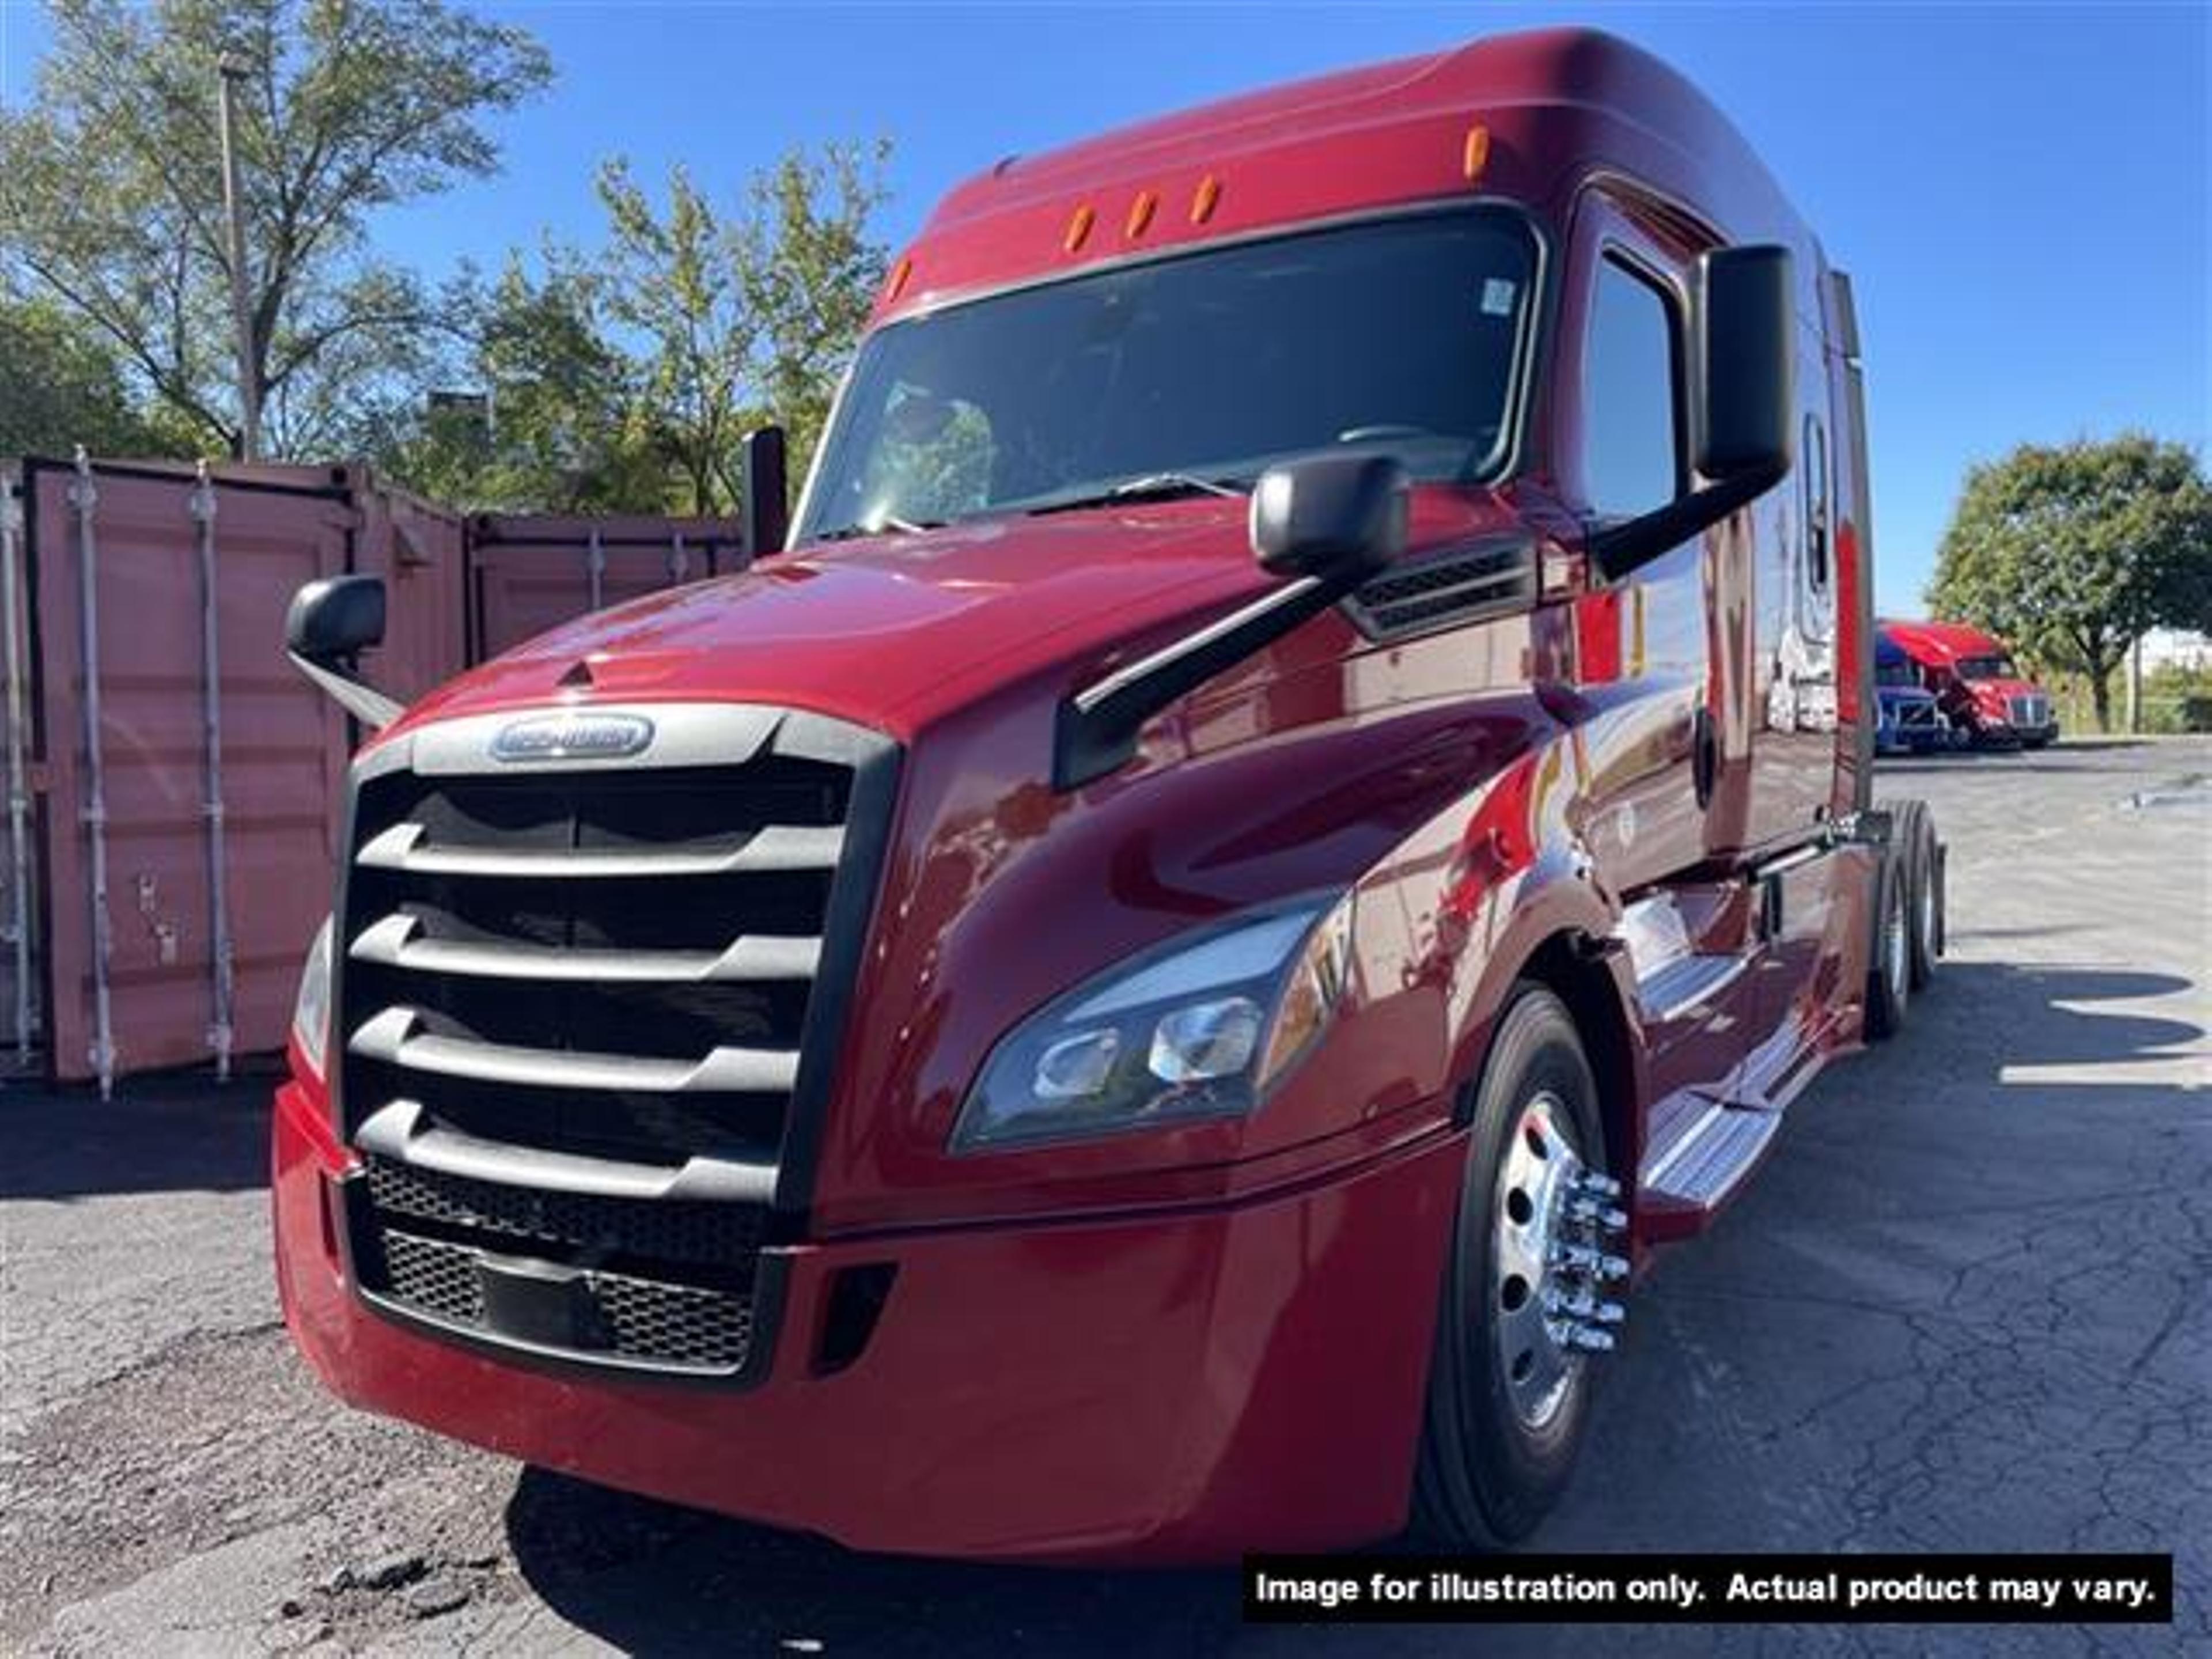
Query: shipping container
[{"x": 173, "y": 784}]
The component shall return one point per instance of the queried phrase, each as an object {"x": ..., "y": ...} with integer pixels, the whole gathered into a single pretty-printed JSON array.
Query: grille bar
[
  {"x": 399, "y": 1134},
  {"x": 391, "y": 1037},
  {"x": 395, "y": 941},
  {"x": 779, "y": 847}
]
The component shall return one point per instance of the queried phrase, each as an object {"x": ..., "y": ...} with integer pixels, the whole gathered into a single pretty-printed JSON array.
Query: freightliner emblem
[{"x": 573, "y": 737}]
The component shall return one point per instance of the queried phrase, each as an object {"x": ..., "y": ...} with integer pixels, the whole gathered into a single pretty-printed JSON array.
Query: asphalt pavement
[{"x": 1967, "y": 1305}]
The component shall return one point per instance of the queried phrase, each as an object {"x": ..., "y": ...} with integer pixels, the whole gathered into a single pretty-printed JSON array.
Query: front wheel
[{"x": 1523, "y": 1306}]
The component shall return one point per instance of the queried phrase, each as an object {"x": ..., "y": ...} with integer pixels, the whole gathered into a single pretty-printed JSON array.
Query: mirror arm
[
  {"x": 1630, "y": 546},
  {"x": 358, "y": 698},
  {"x": 1096, "y": 730}
]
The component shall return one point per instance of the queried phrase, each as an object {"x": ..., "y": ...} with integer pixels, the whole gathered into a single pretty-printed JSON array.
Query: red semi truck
[
  {"x": 1295, "y": 801},
  {"x": 1976, "y": 684}
]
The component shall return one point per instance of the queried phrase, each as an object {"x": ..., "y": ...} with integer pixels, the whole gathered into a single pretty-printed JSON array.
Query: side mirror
[
  {"x": 1743, "y": 403},
  {"x": 333, "y": 621},
  {"x": 767, "y": 502},
  {"x": 1338, "y": 518},
  {"x": 330, "y": 623},
  {"x": 1745, "y": 338}
]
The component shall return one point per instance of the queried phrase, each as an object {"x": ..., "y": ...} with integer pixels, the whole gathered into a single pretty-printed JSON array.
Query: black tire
[
  {"x": 1914, "y": 834},
  {"x": 1485, "y": 1477},
  {"x": 1889, "y": 972}
]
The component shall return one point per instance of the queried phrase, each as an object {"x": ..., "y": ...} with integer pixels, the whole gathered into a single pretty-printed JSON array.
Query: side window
[
  {"x": 1816, "y": 502},
  {"x": 1632, "y": 456}
]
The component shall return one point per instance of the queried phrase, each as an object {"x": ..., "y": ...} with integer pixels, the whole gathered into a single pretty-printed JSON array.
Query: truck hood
[{"x": 895, "y": 631}]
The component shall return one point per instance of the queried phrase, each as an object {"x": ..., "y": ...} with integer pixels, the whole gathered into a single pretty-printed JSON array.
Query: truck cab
[
  {"x": 1976, "y": 683},
  {"x": 1908, "y": 720},
  {"x": 1295, "y": 803}
]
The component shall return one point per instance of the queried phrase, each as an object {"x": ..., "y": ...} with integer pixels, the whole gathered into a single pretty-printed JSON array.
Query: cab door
[{"x": 1659, "y": 652}]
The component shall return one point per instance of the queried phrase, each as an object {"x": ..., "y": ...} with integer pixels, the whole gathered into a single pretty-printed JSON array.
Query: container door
[{"x": 147, "y": 778}]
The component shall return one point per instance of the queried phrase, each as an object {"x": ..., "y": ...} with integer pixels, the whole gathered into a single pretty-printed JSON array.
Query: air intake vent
[{"x": 1443, "y": 590}]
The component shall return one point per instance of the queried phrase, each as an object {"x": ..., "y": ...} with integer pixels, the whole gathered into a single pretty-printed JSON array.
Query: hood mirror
[
  {"x": 330, "y": 623},
  {"x": 1326, "y": 525},
  {"x": 1337, "y": 518}
]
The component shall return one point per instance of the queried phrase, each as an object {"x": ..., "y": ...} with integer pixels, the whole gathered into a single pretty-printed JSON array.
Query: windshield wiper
[
  {"x": 1153, "y": 486},
  {"x": 888, "y": 525}
]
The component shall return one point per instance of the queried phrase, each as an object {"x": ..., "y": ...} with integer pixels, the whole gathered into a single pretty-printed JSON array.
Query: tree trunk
[{"x": 2100, "y": 693}]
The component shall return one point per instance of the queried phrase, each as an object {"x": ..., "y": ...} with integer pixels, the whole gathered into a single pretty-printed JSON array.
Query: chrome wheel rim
[
  {"x": 1895, "y": 948},
  {"x": 1928, "y": 914},
  {"x": 1536, "y": 1175}
]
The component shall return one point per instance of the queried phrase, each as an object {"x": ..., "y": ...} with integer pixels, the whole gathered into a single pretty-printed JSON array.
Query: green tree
[
  {"x": 63, "y": 387},
  {"x": 111, "y": 192},
  {"x": 816, "y": 280},
  {"x": 742, "y": 314},
  {"x": 677, "y": 281},
  {"x": 557, "y": 420},
  {"x": 2072, "y": 552}
]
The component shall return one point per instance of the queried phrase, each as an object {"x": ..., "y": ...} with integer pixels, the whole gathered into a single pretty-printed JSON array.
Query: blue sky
[{"x": 2021, "y": 192}]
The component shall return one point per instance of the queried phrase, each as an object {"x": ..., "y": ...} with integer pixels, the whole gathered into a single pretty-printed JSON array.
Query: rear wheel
[
  {"x": 1914, "y": 834},
  {"x": 1510, "y": 1384},
  {"x": 1889, "y": 977}
]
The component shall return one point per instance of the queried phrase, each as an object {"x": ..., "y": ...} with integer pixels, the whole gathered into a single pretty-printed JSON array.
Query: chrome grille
[
  {"x": 2030, "y": 711},
  {"x": 571, "y": 988}
]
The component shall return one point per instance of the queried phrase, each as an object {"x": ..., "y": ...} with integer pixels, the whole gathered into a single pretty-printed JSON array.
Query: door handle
[{"x": 1704, "y": 755}]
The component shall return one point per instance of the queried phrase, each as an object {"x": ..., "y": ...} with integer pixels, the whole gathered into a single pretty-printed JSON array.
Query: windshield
[
  {"x": 1899, "y": 673},
  {"x": 1997, "y": 667},
  {"x": 1398, "y": 336}
]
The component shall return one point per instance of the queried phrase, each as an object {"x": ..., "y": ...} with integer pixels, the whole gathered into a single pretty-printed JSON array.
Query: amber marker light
[
  {"x": 900, "y": 272},
  {"x": 1140, "y": 214},
  {"x": 1203, "y": 198},
  {"x": 1474, "y": 155},
  {"x": 1079, "y": 229}
]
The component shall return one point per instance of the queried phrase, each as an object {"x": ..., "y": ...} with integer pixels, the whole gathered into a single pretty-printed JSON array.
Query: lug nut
[
  {"x": 1591, "y": 1184},
  {"x": 1590, "y": 1340},
  {"x": 1590, "y": 1213},
  {"x": 1581, "y": 1259}
]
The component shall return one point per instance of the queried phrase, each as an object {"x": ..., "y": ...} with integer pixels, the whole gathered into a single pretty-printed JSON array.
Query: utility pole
[{"x": 231, "y": 71}]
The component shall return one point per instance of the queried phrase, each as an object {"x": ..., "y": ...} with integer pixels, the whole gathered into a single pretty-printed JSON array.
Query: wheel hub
[{"x": 1557, "y": 1231}]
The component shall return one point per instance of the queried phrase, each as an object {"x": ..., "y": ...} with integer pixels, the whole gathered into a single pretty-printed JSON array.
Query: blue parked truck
[{"x": 1907, "y": 719}]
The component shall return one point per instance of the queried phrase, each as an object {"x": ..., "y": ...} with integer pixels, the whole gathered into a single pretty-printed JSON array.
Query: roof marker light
[
  {"x": 1202, "y": 199},
  {"x": 1140, "y": 214},
  {"x": 1079, "y": 229},
  {"x": 900, "y": 272},
  {"x": 1476, "y": 154}
]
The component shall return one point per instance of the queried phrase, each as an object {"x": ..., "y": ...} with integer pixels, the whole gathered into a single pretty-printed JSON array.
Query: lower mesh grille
[
  {"x": 433, "y": 1279},
  {"x": 644, "y": 1321},
  {"x": 583, "y": 1230}
]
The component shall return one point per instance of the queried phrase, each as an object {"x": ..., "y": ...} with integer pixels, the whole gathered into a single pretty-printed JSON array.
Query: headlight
[
  {"x": 311, "y": 1012},
  {"x": 1196, "y": 1029}
]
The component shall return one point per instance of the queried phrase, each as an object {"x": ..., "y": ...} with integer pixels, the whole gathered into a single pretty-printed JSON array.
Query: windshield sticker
[{"x": 1498, "y": 297}]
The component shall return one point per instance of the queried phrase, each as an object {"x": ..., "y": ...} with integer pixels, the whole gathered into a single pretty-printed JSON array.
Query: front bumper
[{"x": 1186, "y": 1385}]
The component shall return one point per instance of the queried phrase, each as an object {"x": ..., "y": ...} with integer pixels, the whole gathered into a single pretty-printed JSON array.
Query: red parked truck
[
  {"x": 1976, "y": 685},
  {"x": 1297, "y": 800}
]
